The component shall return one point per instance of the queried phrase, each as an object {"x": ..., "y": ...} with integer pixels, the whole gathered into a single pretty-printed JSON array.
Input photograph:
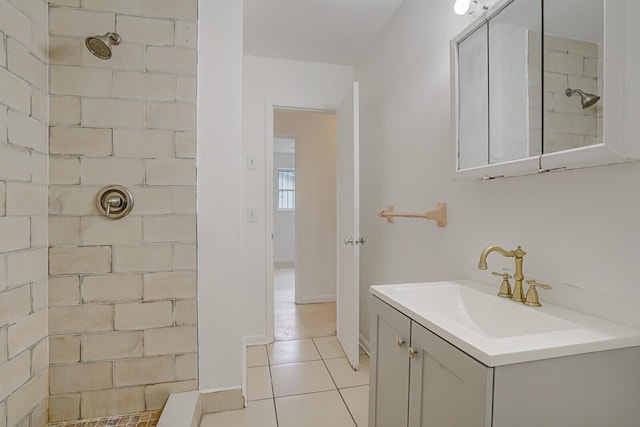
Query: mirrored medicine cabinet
[{"x": 542, "y": 85}]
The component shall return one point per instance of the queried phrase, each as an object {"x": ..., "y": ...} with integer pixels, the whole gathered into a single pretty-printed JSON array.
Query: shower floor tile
[{"x": 142, "y": 419}]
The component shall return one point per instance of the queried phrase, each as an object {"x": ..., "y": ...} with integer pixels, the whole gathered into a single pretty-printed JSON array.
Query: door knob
[
  {"x": 361, "y": 241},
  {"x": 348, "y": 241}
]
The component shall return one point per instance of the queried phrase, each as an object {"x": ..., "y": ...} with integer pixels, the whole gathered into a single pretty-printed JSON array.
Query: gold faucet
[{"x": 518, "y": 254}]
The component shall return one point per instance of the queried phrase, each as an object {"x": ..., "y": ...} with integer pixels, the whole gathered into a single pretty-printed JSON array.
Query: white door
[{"x": 349, "y": 239}]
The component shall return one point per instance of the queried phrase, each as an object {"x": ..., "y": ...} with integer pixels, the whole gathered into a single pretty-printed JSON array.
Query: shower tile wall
[
  {"x": 576, "y": 64},
  {"x": 24, "y": 349},
  {"x": 122, "y": 294}
]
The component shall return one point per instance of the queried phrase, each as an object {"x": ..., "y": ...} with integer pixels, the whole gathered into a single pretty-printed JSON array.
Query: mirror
[
  {"x": 522, "y": 96},
  {"x": 515, "y": 89},
  {"x": 573, "y": 74},
  {"x": 474, "y": 100}
]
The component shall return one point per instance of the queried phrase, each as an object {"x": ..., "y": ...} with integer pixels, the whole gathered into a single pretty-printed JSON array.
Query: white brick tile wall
[
  {"x": 174, "y": 116},
  {"x": 21, "y": 62},
  {"x": 121, "y": 293},
  {"x": 64, "y": 21},
  {"x": 143, "y": 143},
  {"x": 15, "y": 24},
  {"x": 14, "y": 92},
  {"x": 98, "y": 230},
  {"x": 126, "y": 56},
  {"x": 130, "y": 7},
  {"x": 147, "y": 31},
  {"x": 64, "y": 111},
  {"x": 81, "y": 141},
  {"x": 64, "y": 230},
  {"x": 112, "y": 288},
  {"x": 172, "y": 60},
  {"x": 139, "y": 85},
  {"x": 65, "y": 50},
  {"x": 15, "y": 163},
  {"x": 571, "y": 64},
  {"x": 81, "y": 81},
  {"x": 28, "y": 132},
  {"x": 173, "y": 9},
  {"x": 110, "y": 113},
  {"x": 97, "y": 171},
  {"x": 64, "y": 170},
  {"x": 186, "y": 34}
]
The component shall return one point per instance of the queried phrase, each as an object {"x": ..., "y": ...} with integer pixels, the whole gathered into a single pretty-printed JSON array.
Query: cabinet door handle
[
  {"x": 412, "y": 353},
  {"x": 400, "y": 342}
]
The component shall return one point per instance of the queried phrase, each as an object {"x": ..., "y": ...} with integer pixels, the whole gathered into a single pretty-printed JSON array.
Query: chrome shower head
[
  {"x": 100, "y": 46},
  {"x": 586, "y": 99}
]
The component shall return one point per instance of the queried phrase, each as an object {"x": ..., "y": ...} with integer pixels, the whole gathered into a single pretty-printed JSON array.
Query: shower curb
[{"x": 186, "y": 409}]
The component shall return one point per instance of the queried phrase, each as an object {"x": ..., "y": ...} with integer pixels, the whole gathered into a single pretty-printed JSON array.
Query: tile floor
[
  {"x": 303, "y": 379},
  {"x": 142, "y": 419},
  {"x": 295, "y": 383},
  {"x": 299, "y": 321}
]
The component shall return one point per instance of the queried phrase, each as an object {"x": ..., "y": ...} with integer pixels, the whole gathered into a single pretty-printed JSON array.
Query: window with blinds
[{"x": 286, "y": 189}]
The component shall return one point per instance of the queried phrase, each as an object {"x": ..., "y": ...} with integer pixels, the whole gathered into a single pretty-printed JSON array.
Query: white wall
[
  {"x": 221, "y": 292},
  {"x": 284, "y": 222},
  {"x": 315, "y": 216},
  {"x": 579, "y": 227},
  {"x": 286, "y": 84}
]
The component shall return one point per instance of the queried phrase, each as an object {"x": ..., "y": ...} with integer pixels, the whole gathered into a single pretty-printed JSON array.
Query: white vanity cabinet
[
  {"x": 389, "y": 365},
  {"x": 446, "y": 386},
  {"x": 438, "y": 386},
  {"x": 442, "y": 386}
]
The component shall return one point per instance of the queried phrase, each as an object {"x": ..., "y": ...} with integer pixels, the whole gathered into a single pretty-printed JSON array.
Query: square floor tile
[
  {"x": 292, "y": 351},
  {"x": 257, "y": 356},
  {"x": 299, "y": 378},
  {"x": 329, "y": 347},
  {"x": 357, "y": 400},
  {"x": 259, "y": 383},
  {"x": 313, "y": 410},
  {"x": 344, "y": 375},
  {"x": 259, "y": 413}
]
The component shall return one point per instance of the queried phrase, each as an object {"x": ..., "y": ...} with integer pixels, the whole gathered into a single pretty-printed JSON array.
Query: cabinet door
[
  {"x": 448, "y": 388},
  {"x": 389, "y": 367}
]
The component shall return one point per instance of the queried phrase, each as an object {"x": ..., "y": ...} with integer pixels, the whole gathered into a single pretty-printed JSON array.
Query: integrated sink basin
[
  {"x": 483, "y": 313},
  {"x": 497, "y": 331}
]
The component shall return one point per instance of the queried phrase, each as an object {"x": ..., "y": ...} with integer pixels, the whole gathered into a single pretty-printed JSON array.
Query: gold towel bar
[{"x": 439, "y": 214}]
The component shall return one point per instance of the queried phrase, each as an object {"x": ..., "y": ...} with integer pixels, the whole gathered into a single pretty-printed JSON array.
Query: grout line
[
  {"x": 336, "y": 385},
  {"x": 273, "y": 392}
]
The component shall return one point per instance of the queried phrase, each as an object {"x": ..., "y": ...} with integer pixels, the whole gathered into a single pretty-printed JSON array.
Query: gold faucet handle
[
  {"x": 503, "y": 275},
  {"x": 505, "y": 286},
  {"x": 532, "y": 299},
  {"x": 533, "y": 283}
]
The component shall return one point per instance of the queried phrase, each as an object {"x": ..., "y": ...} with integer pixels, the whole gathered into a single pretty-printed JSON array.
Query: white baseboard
[
  {"x": 317, "y": 299},
  {"x": 256, "y": 340},
  {"x": 284, "y": 264},
  {"x": 366, "y": 345}
]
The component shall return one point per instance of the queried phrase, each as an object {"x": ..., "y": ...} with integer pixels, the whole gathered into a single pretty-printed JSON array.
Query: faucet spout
[
  {"x": 518, "y": 254},
  {"x": 482, "y": 264}
]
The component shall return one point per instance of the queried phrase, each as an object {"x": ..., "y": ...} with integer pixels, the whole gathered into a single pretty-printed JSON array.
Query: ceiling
[{"x": 329, "y": 31}]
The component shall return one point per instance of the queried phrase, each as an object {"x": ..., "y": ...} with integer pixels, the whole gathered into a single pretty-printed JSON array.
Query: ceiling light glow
[{"x": 462, "y": 7}]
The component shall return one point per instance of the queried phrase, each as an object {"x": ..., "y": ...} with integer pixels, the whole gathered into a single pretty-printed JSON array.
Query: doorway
[{"x": 304, "y": 223}]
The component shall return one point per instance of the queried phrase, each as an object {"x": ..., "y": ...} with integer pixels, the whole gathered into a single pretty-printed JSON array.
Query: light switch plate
[{"x": 251, "y": 162}]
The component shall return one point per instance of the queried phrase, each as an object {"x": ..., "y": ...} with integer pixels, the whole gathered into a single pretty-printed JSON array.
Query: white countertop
[{"x": 497, "y": 331}]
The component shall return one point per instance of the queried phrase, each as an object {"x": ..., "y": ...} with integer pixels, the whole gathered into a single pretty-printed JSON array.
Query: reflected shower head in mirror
[
  {"x": 100, "y": 46},
  {"x": 587, "y": 99},
  {"x": 462, "y": 7}
]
